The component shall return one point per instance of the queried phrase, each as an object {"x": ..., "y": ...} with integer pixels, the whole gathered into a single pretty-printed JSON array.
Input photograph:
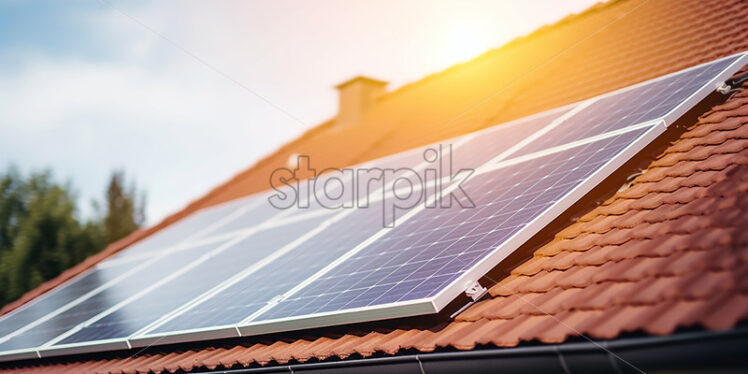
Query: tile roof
[{"x": 667, "y": 252}]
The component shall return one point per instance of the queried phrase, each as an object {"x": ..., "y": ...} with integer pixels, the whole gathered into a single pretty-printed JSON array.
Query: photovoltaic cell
[
  {"x": 52, "y": 301},
  {"x": 178, "y": 291},
  {"x": 488, "y": 144},
  {"x": 420, "y": 256},
  {"x": 454, "y": 157},
  {"x": 639, "y": 104},
  {"x": 188, "y": 228},
  {"x": 337, "y": 188},
  {"x": 258, "y": 213},
  {"x": 101, "y": 301},
  {"x": 249, "y": 295}
]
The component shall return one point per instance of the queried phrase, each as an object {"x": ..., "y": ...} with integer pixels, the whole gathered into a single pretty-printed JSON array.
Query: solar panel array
[{"x": 441, "y": 219}]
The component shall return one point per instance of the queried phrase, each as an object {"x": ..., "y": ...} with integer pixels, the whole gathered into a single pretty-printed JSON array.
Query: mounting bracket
[
  {"x": 724, "y": 88},
  {"x": 475, "y": 291}
]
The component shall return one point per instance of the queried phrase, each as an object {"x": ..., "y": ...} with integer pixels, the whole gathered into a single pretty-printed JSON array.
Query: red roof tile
[{"x": 667, "y": 252}]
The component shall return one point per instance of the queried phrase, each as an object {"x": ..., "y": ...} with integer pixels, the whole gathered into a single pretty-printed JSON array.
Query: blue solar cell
[
  {"x": 643, "y": 103},
  {"x": 102, "y": 300},
  {"x": 61, "y": 296},
  {"x": 259, "y": 213},
  {"x": 488, "y": 144},
  {"x": 158, "y": 302},
  {"x": 252, "y": 293},
  {"x": 191, "y": 227},
  {"x": 343, "y": 188},
  {"x": 335, "y": 188},
  {"x": 419, "y": 257}
]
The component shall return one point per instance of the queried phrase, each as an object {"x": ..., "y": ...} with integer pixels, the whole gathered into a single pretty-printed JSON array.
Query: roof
[{"x": 666, "y": 253}]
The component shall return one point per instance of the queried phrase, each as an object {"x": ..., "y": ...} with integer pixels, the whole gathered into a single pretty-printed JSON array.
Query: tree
[
  {"x": 124, "y": 209},
  {"x": 41, "y": 234}
]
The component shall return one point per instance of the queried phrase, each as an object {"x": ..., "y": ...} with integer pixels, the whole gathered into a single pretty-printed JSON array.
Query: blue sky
[{"x": 86, "y": 87}]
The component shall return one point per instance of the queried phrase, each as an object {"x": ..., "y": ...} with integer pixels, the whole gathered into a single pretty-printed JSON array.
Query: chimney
[{"x": 355, "y": 97}]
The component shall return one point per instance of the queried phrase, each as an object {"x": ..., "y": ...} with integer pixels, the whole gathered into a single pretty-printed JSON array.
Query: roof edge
[{"x": 685, "y": 350}]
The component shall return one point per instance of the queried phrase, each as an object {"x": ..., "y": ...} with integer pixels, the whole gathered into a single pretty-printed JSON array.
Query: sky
[{"x": 184, "y": 95}]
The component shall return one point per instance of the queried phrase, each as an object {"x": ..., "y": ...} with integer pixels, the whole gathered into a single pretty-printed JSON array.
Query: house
[{"x": 646, "y": 274}]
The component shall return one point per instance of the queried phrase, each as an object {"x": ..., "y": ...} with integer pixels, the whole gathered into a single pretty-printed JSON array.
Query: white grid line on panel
[{"x": 530, "y": 156}]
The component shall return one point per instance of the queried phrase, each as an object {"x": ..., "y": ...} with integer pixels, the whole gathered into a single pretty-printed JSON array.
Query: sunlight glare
[{"x": 465, "y": 41}]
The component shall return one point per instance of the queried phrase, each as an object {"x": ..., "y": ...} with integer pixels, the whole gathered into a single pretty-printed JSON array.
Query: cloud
[{"x": 179, "y": 131}]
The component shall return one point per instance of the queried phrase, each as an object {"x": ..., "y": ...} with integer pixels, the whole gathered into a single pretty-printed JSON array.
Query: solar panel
[
  {"x": 188, "y": 229},
  {"x": 245, "y": 268},
  {"x": 219, "y": 267},
  {"x": 245, "y": 219},
  {"x": 417, "y": 258},
  {"x": 50, "y": 302},
  {"x": 649, "y": 101},
  {"x": 257, "y": 291},
  {"x": 490, "y": 143},
  {"x": 337, "y": 188},
  {"x": 134, "y": 281}
]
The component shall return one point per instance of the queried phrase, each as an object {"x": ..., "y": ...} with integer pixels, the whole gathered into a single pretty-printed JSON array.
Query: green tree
[
  {"x": 40, "y": 235},
  {"x": 124, "y": 208}
]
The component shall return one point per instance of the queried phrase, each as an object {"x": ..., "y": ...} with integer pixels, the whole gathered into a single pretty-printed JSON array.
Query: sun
[{"x": 464, "y": 41}]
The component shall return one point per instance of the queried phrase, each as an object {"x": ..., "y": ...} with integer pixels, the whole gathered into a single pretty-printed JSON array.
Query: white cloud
[{"x": 178, "y": 131}]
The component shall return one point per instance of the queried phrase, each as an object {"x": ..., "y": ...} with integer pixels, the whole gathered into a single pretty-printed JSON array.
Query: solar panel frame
[
  {"x": 50, "y": 349},
  {"x": 699, "y": 95},
  {"x": 457, "y": 287},
  {"x": 21, "y": 354},
  {"x": 434, "y": 247},
  {"x": 55, "y": 347},
  {"x": 632, "y": 105},
  {"x": 120, "y": 343},
  {"x": 227, "y": 331},
  {"x": 108, "y": 298},
  {"x": 198, "y": 238},
  {"x": 537, "y": 224}
]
